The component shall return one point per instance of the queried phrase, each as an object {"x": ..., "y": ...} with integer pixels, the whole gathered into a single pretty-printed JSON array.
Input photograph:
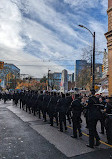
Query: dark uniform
[
  {"x": 76, "y": 108},
  {"x": 46, "y": 100},
  {"x": 40, "y": 103},
  {"x": 5, "y": 97},
  {"x": 68, "y": 103},
  {"x": 94, "y": 114},
  {"x": 52, "y": 109},
  {"x": 62, "y": 109},
  {"x": 102, "y": 119},
  {"x": 108, "y": 122}
]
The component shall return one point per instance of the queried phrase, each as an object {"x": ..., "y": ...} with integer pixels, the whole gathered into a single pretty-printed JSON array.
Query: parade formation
[{"x": 59, "y": 107}]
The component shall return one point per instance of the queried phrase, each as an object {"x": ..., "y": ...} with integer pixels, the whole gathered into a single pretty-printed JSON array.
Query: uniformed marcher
[
  {"x": 40, "y": 103},
  {"x": 76, "y": 108},
  {"x": 62, "y": 109},
  {"x": 108, "y": 120},
  {"x": 68, "y": 103},
  {"x": 102, "y": 119},
  {"x": 94, "y": 115},
  {"x": 52, "y": 109},
  {"x": 46, "y": 100}
]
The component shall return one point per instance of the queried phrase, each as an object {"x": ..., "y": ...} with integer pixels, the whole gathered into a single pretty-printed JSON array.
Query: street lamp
[
  {"x": 48, "y": 79},
  {"x": 93, "y": 68}
]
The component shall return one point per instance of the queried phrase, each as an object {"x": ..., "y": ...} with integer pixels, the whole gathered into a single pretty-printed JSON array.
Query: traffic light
[
  {"x": 102, "y": 68},
  {"x": 1, "y": 65},
  {"x": 0, "y": 80}
]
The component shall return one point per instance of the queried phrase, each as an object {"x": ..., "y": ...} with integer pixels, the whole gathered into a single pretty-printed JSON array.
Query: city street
[{"x": 24, "y": 136}]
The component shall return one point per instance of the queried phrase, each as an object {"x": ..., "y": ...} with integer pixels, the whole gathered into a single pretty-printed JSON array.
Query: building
[
  {"x": 64, "y": 81},
  {"x": 83, "y": 73},
  {"x": 9, "y": 74},
  {"x": 55, "y": 80},
  {"x": 80, "y": 64},
  {"x": 108, "y": 36},
  {"x": 71, "y": 77},
  {"x": 98, "y": 71},
  {"x": 104, "y": 80},
  {"x": 105, "y": 64}
]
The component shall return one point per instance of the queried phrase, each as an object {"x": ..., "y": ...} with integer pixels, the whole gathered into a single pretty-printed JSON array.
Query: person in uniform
[
  {"x": 62, "y": 109},
  {"x": 94, "y": 115},
  {"x": 40, "y": 103},
  {"x": 52, "y": 109},
  {"x": 68, "y": 103},
  {"x": 76, "y": 108},
  {"x": 46, "y": 100},
  {"x": 108, "y": 121}
]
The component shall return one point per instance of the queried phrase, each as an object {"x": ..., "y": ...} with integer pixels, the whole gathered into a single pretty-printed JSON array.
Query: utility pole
[{"x": 93, "y": 65}]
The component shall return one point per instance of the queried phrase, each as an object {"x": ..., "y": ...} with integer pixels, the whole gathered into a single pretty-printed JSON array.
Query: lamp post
[
  {"x": 48, "y": 79},
  {"x": 93, "y": 68}
]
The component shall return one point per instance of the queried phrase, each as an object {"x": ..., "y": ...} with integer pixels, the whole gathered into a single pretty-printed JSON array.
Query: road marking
[{"x": 88, "y": 136}]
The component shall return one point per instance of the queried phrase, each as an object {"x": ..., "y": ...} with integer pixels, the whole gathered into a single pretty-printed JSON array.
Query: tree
[
  {"x": 43, "y": 80},
  {"x": 84, "y": 77}
]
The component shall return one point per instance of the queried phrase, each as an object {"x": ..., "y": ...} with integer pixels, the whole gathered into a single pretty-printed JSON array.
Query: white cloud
[
  {"x": 10, "y": 25},
  {"x": 82, "y": 3},
  {"x": 51, "y": 34}
]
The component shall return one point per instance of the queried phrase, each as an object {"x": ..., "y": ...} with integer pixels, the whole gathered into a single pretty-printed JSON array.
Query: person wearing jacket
[
  {"x": 68, "y": 103},
  {"x": 52, "y": 109},
  {"x": 76, "y": 108},
  {"x": 94, "y": 114},
  {"x": 62, "y": 109}
]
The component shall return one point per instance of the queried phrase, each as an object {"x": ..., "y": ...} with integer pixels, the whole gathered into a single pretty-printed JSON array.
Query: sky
[{"x": 37, "y": 35}]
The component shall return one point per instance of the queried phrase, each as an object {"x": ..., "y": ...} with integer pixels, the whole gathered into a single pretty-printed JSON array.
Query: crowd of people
[{"x": 63, "y": 107}]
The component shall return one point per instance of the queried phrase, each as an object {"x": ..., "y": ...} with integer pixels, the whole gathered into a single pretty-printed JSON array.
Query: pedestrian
[
  {"x": 62, "y": 109},
  {"x": 94, "y": 115},
  {"x": 76, "y": 108},
  {"x": 68, "y": 103},
  {"x": 52, "y": 109}
]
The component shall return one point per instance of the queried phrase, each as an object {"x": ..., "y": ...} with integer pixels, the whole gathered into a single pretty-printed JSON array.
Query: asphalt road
[{"x": 24, "y": 136}]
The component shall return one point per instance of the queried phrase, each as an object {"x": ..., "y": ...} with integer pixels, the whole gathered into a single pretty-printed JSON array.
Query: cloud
[
  {"x": 35, "y": 30},
  {"x": 10, "y": 25},
  {"x": 82, "y": 3}
]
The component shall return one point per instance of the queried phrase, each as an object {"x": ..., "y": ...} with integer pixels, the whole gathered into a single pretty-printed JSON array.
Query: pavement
[{"x": 24, "y": 136}]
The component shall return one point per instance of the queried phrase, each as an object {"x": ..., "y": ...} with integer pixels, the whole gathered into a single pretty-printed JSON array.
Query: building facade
[
  {"x": 108, "y": 36},
  {"x": 83, "y": 73},
  {"x": 71, "y": 77},
  {"x": 105, "y": 64},
  {"x": 8, "y": 75},
  {"x": 80, "y": 64},
  {"x": 55, "y": 80},
  {"x": 64, "y": 81}
]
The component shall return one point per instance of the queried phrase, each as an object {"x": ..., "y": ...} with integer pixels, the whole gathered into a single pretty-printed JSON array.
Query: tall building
[
  {"x": 55, "y": 80},
  {"x": 109, "y": 45},
  {"x": 80, "y": 64},
  {"x": 64, "y": 81},
  {"x": 83, "y": 73},
  {"x": 71, "y": 77}
]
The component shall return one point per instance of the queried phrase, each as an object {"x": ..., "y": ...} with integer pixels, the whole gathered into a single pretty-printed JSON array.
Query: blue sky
[{"x": 37, "y": 35}]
